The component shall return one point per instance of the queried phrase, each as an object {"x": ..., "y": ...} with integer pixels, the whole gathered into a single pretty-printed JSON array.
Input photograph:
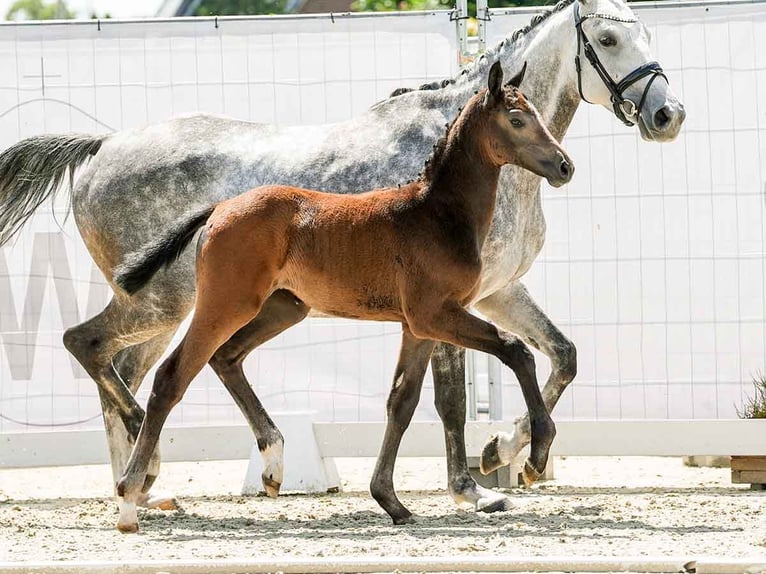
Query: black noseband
[{"x": 624, "y": 108}]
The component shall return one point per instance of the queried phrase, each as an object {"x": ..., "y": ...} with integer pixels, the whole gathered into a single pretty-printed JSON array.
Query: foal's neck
[{"x": 461, "y": 177}]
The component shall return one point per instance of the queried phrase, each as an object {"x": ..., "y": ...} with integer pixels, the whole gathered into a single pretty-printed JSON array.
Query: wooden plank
[
  {"x": 748, "y": 476},
  {"x": 748, "y": 463}
]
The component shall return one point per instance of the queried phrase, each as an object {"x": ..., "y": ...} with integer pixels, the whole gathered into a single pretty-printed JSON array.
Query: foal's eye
[
  {"x": 607, "y": 40},
  {"x": 516, "y": 122}
]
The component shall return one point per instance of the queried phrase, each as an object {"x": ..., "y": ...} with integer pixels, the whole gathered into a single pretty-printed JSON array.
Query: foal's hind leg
[
  {"x": 280, "y": 311},
  {"x": 453, "y": 324},
  {"x": 448, "y": 368},
  {"x": 408, "y": 380},
  {"x": 213, "y": 324}
]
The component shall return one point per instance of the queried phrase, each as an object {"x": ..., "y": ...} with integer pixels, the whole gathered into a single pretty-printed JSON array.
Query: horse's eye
[
  {"x": 516, "y": 122},
  {"x": 607, "y": 40}
]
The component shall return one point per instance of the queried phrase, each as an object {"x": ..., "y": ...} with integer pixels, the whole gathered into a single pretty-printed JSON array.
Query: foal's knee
[{"x": 518, "y": 353}]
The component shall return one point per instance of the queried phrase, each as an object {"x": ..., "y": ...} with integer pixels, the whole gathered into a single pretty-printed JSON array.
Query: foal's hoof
[
  {"x": 159, "y": 501},
  {"x": 529, "y": 475},
  {"x": 271, "y": 486},
  {"x": 490, "y": 457},
  {"x": 403, "y": 519}
]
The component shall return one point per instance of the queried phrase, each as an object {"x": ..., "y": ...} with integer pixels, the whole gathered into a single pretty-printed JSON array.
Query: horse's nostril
[
  {"x": 565, "y": 168},
  {"x": 662, "y": 117}
]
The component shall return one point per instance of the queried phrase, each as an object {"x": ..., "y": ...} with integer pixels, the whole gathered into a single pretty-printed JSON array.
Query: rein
[{"x": 624, "y": 108}]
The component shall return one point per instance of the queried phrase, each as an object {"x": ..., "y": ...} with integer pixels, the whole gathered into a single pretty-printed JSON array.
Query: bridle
[{"x": 624, "y": 108}]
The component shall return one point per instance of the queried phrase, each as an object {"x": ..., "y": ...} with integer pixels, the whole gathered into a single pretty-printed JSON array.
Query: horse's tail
[
  {"x": 33, "y": 169},
  {"x": 140, "y": 266}
]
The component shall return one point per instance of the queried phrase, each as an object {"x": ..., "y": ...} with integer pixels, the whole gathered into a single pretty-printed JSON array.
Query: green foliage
[
  {"x": 755, "y": 405},
  {"x": 39, "y": 10},
  {"x": 233, "y": 7}
]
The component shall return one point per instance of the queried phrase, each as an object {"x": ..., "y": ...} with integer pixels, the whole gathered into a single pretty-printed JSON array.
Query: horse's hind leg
[
  {"x": 116, "y": 333},
  {"x": 280, "y": 311},
  {"x": 405, "y": 392},
  {"x": 448, "y": 368},
  {"x": 94, "y": 343},
  {"x": 132, "y": 364}
]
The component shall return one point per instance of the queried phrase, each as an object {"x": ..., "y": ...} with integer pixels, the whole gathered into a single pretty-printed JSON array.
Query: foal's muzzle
[{"x": 562, "y": 170}]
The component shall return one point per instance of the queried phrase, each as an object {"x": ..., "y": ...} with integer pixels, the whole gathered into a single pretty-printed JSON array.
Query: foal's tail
[
  {"x": 140, "y": 266},
  {"x": 33, "y": 169}
]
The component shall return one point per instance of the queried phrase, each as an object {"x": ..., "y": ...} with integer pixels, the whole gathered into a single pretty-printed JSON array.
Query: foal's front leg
[
  {"x": 405, "y": 392},
  {"x": 514, "y": 310}
]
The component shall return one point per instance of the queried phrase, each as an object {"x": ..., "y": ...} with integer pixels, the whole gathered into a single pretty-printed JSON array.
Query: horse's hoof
[
  {"x": 128, "y": 527},
  {"x": 271, "y": 486},
  {"x": 490, "y": 458},
  {"x": 159, "y": 501},
  {"x": 501, "y": 504},
  {"x": 404, "y": 519},
  {"x": 529, "y": 475}
]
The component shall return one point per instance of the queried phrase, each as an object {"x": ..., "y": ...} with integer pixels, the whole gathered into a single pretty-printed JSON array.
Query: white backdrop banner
[{"x": 107, "y": 76}]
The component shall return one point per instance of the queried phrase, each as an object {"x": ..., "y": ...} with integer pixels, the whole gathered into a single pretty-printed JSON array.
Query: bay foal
[{"x": 411, "y": 255}]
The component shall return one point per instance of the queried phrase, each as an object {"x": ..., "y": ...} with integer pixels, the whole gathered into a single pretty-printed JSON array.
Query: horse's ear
[
  {"x": 517, "y": 79},
  {"x": 495, "y": 83}
]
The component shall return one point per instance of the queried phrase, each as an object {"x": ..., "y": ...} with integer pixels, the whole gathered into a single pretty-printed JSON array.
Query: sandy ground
[{"x": 594, "y": 507}]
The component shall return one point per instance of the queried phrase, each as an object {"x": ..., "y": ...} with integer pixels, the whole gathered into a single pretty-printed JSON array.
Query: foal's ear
[
  {"x": 517, "y": 79},
  {"x": 495, "y": 83}
]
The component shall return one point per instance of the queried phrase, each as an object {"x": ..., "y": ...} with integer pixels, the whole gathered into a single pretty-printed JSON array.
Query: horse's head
[
  {"x": 517, "y": 134},
  {"x": 615, "y": 69}
]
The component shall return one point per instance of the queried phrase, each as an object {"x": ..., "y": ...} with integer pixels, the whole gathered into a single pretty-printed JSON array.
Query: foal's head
[{"x": 515, "y": 132}]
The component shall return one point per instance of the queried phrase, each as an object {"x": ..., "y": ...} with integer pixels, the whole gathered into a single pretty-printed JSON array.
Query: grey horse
[{"x": 140, "y": 180}]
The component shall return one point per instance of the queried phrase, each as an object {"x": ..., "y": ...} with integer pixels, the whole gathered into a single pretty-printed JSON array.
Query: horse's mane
[{"x": 537, "y": 19}]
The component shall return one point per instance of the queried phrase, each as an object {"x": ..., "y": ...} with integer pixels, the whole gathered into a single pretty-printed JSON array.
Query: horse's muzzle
[{"x": 665, "y": 123}]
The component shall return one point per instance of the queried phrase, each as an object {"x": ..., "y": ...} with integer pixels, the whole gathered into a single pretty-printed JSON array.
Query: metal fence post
[{"x": 482, "y": 16}]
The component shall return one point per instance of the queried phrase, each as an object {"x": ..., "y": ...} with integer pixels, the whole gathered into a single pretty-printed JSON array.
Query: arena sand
[{"x": 595, "y": 507}]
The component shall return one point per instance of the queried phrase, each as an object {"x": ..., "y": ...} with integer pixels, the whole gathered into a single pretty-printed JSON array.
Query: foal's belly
[{"x": 350, "y": 293}]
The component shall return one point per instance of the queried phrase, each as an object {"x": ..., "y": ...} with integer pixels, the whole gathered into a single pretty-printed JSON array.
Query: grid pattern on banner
[
  {"x": 286, "y": 70},
  {"x": 654, "y": 263}
]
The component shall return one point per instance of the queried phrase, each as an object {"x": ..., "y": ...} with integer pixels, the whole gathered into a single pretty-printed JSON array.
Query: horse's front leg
[
  {"x": 405, "y": 393},
  {"x": 513, "y": 309},
  {"x": 448, "y": 368}
]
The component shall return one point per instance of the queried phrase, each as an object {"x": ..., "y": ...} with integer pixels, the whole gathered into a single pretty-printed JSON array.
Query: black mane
[{"x": 537, "y": 19}]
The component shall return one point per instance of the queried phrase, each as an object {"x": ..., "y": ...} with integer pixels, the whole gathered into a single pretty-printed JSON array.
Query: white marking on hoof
[
  {"x": 161, "y": 501},
  {"x": 273, "y": 468},
  {"x": 128, "y": 521}
]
